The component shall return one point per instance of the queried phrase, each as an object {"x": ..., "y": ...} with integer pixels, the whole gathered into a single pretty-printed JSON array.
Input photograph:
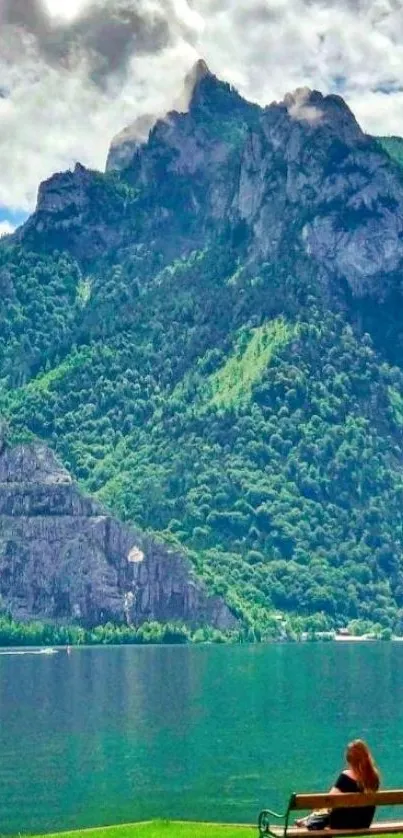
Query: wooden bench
[{"x": 305, "y": 802}]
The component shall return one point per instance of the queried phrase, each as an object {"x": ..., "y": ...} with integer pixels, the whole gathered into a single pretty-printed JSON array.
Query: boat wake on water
[{"x": 29, "y": 651}]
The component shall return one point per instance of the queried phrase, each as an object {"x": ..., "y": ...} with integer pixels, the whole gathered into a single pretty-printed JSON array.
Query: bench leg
[{"x": 264, "y": 823}]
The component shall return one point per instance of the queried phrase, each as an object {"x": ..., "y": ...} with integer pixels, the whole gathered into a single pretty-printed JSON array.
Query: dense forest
[
  {"x": 36, "y": 633},
  {"x": 230, "y": 405}
]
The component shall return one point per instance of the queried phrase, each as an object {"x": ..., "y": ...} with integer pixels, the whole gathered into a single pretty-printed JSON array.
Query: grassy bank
[
  {"x": 167, "y": 829},
  {"x": 162, "y": 829}
]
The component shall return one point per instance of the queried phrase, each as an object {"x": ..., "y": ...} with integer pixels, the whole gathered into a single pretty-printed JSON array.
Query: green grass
[
  {"x": 166, "y": 829},
  {"x": 162, "y": 829},
  {"x": 84, "y": 289},
  {"x": 233, "y": 383},
  {"x": 397, "y": 405},
  {"x": 394, "y": 147},
  {"x": 44, "y": 382}
]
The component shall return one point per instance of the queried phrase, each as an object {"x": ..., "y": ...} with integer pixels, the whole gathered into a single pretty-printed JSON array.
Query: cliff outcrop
[{"x": 63, "y": 557}]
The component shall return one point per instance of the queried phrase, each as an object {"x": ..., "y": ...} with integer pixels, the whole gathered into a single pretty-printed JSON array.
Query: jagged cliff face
[
  {"x": 300, "y": 174},
  {"x": 338, "y": 187},
  {"x": 302, "y": 164},
  {"x": 124, "y": 146},
  {"x": 73, "y": 207},
  {"x": 62, "y": 557}
]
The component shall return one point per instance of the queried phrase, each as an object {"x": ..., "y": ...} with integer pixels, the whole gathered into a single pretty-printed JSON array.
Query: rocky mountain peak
[
  {"x": 193, "y": 80},
  {"x": 125, "y": 142},
  {"x": 200, "y": 70},
  {"x": 203, "y": 95},
  {"x": 65, "y": 213},
  {"x": 314, "y": 109},
  {"x": 224, "y": 159}
]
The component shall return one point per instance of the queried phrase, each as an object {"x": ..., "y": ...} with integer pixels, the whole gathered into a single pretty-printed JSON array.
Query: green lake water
[{"x": 204, "y": 733}]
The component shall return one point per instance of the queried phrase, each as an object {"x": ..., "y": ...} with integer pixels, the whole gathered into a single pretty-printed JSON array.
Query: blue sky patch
[{"x": 15, "y": 218}]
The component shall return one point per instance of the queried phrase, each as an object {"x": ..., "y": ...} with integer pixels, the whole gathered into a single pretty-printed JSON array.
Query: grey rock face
[
  {"x": 299, "y": 175},
  {"x": 62, "y": 557},
  {"x": 70, "y": 212},
  {"x": 63, "y": 199},
  {"x": 310, "y": 169},
  {"x": 124, "y": 145},
  {"x": 189, "y": 164}
]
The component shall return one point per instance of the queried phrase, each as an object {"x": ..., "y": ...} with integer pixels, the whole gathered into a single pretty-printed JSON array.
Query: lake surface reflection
[{"x": 206, "y": 733}]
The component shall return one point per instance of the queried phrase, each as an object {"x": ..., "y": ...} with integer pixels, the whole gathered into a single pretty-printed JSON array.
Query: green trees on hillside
[
  {"x": 14, "y": 633},
  {"x": 232, "y": 413},
  {"x": 39, "y": 302}
]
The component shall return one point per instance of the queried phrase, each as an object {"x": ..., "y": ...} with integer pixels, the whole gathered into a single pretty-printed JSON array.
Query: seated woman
[{"x": 360, "y": 775}]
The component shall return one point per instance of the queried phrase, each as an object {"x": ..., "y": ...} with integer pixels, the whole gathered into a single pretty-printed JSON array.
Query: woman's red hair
[{"x": 361, "y": 761}]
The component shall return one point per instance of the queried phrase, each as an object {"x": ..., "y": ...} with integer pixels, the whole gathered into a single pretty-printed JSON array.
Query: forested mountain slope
[{"x": 210, "y": 337}]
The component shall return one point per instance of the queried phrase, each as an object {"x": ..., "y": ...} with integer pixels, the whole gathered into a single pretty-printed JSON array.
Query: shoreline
[{"x": 52, "y": 650}]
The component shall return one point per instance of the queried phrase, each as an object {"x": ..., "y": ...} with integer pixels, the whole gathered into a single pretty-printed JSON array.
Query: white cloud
[
  {"x": 6, "y": 228},
  {"x": 67, "y": 11},
  {"x": 71, "y": 84}
]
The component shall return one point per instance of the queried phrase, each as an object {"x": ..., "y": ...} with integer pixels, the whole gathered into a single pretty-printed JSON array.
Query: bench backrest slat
[{"x": 346, "y": 801}]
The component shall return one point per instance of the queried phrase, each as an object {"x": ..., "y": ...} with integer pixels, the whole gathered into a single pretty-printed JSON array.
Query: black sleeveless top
[{"x": 359, "y": 818}]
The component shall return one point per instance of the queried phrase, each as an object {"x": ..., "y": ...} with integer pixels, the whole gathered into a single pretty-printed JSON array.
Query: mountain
[{"x": 209, "y": 337}]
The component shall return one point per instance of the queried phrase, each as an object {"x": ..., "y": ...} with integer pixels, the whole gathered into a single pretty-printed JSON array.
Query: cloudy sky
[{"x": 75, "y": 72}]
